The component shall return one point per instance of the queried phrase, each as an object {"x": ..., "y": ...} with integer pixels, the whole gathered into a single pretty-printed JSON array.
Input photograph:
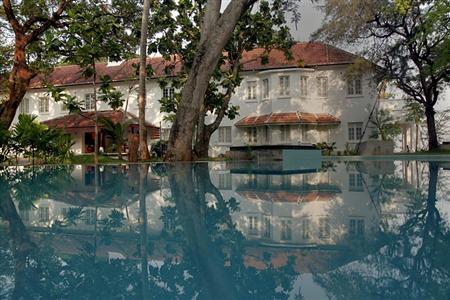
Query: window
[
  {"x": 303, "y": 86},
  {"x": 267, "y": 227},
  {"x": 225, "y": 134},
  {"x": 44, "y": 215},
  {"x": 169, "y": 223},
  {"x": 286, "y": 230},
  {"x": 356, "y": 227},
  {"x": 306, "y": 229},
  {"x": 266, "y": 134},
  {"x": 355, "y": 131},
  {"x": 24, "y": 107},
  {"x": 89, "y": 102},
  {"x": 252, "y": 134},
  {"x": 265, "y": 88},
  {"x": 355, "y": 182},
  {"x": 324, "y": 228},
  {"x": 284, "y": 85},
  {"x": 285, "y": 133},
  {"x": 43, "y": 104},
  {"x": 354, "y": 86},
  {"x": 225, "y": 181},
  {"x": 168, "y": 92},
  {"x": 322, "y": 86},
  {"x": 253, "y": 225},
  {"x": 90, "y": 217},
  {"x": 251, "y": 90},
  {"x": 252, "y": 181}
]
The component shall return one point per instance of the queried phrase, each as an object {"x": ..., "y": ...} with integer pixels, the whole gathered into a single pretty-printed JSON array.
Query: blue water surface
[{"x": 226, "y": 230}]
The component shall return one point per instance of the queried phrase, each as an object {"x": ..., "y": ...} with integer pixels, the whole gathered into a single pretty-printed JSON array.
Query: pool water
[{"x": 222, "y": 230}]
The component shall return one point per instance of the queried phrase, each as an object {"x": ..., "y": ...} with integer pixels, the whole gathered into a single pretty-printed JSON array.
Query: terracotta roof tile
[
  {"x": 77, "y": 121},
  {"x": 284, "y": 196},
  {"x": 305, "y": 54},
  {"x": 288, "y": 118}
]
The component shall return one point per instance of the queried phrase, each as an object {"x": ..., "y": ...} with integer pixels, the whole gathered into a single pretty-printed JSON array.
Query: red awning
[{"x": 288, "y": 118}]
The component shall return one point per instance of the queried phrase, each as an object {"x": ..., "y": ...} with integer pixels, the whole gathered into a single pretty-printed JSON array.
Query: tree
[
  {"x": 142, "y": 81},
  {"x": 384, "y": 125},
  {"x": 410, "y": 39},
  {"x": 117, "y": 133},
  {"x": 27, "y": 21},
  {"x": 215, "y": 31},
  {"x": 258, "y": 27},
  {"x": 96, "y": 32},
  {"x": 414, "y": 113}
]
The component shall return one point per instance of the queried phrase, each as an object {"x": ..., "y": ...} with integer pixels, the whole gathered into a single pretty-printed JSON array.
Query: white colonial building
[{"x": 314, "y": 97}]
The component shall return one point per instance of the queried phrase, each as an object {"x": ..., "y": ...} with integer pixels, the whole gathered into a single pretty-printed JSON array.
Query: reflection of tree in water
[
  {"x": 411, "y": 263},
  {"x": 209, "y": 265},
  {"x": 213, "y": 250}
]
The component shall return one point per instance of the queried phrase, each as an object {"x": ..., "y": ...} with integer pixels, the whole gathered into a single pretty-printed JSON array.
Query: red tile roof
[
  {"x": 305, "y": 54},
  {"x": 284, "y": 196},
  {"x": 86, "y": 120},
  {"x": 288, "y": 118}
]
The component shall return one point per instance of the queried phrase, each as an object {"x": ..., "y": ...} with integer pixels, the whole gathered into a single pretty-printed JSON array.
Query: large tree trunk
[
  {"x": 25, "y": 32},
  {"x": 201, "y": 147},
  {"x": 145, "y": 155},
  {"x": 188, "y": 189},
  {"x": 216, "y": 30},
  {"x": 433, "y": 143},
  {"x": 18, "y": 82},
  {"x": 143, "y": 250}
]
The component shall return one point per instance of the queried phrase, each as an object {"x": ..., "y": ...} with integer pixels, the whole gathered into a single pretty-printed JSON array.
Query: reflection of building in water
[
  {"x": 314, "y": 208},
  {"x": 319, "y": 208}
]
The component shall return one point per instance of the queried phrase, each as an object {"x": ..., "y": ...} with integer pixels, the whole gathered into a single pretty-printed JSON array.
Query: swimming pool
[{"x": 226, "y": 230}]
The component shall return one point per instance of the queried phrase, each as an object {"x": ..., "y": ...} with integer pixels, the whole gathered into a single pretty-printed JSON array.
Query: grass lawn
[{"x": 89, "y": 159}]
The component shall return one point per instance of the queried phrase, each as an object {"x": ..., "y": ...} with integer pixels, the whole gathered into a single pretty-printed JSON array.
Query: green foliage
[
  {"x": 261, "y": 26},
  {"x": 116, "y": 131},
  {"x": 159, "y": 148},
  {"x": 326, "y": 147},
  {"x": 384, "y": 126},
  {"x": 32, "y": 139}
]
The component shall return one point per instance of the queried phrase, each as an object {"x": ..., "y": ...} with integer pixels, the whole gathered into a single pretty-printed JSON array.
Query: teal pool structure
[{"x": 367, "y": 229}]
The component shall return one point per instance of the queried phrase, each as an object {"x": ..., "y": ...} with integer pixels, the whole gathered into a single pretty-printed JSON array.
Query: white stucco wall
[{"x": 337, "y": 103}]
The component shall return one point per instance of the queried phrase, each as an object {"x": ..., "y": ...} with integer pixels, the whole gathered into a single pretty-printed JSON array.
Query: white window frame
[
  {"x": 267, "y": 224},
  {"x": 286, "y": 229},
  {"x": 284, "y": 86},
  {"x": 354, "y": 85},
  {"x": 24, "y": 107},
  {"x": 322, "y": 86},
  {"x": 303, "y": 86},
  {"x": 356, "y": 226},
  {"x": 252, "y": 135},
  {"x": 44, "y": 105},
  {"x": 285, "y": 133},
  {"x": 253, "y": 225},
  {"x": 89, "y": 101},
  {"x": 251, "y": 90},
  {"x": 44, "y": 214},
  {"x": 354, "y": 131},
  {"x": 324, "y": 228},
  {"x": 266, "y": 133},
  {"x": 168, "y": 92},
  {"x": 265, "y": 88},
  {"x": 225, "y": 181},
  {"x": 224, "y": 135},
  {"x": 355, "y": 182}
]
